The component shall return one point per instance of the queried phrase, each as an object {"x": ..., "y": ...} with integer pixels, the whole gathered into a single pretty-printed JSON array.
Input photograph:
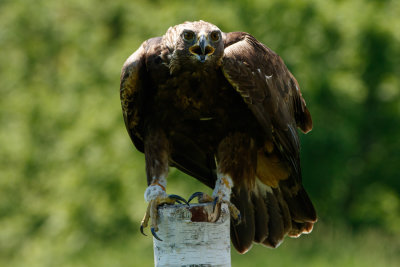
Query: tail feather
[
  {"x": 300, "y": 205},
  {"x": 300, "y": 228},
  {"x": 285, "y": 212},
  {"x": 275, "y": 223},
  {"x": 268, "y": 214},
  {"x": 242, "y": 234},
  {"x": 261, "y": 217}
]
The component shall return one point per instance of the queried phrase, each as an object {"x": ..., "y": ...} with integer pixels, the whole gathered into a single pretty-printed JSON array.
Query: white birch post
[{"x": 190, "y": 239}]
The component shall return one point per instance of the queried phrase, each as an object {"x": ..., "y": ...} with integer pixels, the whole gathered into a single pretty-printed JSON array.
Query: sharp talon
[
  {"x": 215, "y": 203},
  {"x": 178, "y": 198},
  {"x": 218, "y": 216},
  {"x": 197, "y": 194},
  {"x": 179, "y": 202},
  {"x": 154, "y": 234},
  {"x": 141, "y": 230}
]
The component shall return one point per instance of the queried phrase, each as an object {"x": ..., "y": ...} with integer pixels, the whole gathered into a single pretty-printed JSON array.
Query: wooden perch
[{"x": 190, "y": 239}]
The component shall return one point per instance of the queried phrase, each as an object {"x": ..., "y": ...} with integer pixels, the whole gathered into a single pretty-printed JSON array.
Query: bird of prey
[{"x": 223, "y": 108}]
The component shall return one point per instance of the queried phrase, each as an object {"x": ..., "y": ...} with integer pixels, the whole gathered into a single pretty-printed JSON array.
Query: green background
[{"x": 72, "y": 184}]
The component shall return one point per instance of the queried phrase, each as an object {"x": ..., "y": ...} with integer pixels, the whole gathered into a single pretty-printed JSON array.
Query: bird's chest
[
  {"x": 201, "y": 107},
  {"x": 193, "y": 95}
]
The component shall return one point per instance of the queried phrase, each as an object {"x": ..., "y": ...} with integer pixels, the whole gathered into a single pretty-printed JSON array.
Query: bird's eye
[
  {"x": 188, "y": 35},
  {"x": 215, "y": 36}
]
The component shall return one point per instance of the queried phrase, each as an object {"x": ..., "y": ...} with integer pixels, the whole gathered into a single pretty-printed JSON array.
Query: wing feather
[
  {"x": 137, "y": 92},
  {"x": 272, "y": 93},
  {"x": 134, "y": 89},
  {"x": 269, "y": 89}
]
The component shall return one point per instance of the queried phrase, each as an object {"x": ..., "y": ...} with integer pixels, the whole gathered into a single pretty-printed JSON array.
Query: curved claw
[
  {"x": 215, "y": 203},
  {"x": 153, "y": 232},
  {"x": 197, "y": 194},
  {"x": 178, "y": 198},
  {"x": 141, "y": 230}
]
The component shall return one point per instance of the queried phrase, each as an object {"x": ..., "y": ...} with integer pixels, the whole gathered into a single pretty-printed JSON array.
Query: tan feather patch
[{"x": 270, "y": 169}]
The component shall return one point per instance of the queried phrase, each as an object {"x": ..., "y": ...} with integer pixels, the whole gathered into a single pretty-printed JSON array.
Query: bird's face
[
  {"x": 202, "y": 44},
  {"x": 199, "y": 43}
]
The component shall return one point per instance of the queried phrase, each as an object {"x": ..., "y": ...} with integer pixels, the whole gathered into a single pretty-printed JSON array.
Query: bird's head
[{"x": 200, "y": 43}]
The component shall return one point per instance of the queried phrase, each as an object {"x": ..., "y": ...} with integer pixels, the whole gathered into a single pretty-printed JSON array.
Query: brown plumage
[{"x": 212, "y": 103}]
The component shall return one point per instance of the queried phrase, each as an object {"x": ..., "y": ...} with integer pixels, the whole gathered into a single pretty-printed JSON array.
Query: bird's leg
[
  {"x": 221, "y": 194},
  {"x": 155, "y": 195},
  {"x": 156, "y": 154},
  {"x": 236, "y": 164}
]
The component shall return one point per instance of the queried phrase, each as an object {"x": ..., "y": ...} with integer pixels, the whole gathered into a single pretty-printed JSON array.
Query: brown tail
[{"x": 268, "y": 214}]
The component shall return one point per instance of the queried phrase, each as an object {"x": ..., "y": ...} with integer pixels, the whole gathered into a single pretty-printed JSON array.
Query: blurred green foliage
[{"x": 71, "y": 185}]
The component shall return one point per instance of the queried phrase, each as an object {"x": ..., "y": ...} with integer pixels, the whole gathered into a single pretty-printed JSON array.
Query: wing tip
[{"x": 306, "y": 123}]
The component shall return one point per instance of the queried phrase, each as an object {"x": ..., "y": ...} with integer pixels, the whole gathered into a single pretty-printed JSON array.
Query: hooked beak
[
  {"x": 202, "y": 44},
  {"x": 202, "y": 49}
]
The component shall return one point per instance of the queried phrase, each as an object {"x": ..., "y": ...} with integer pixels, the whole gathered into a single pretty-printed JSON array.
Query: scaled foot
[
  {"x": 217, "y": 203},
  {"x": 156, "y": 196}
]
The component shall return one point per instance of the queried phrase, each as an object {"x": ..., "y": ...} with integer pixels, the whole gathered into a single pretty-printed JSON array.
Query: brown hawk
[{"x": 223, "y": 108}]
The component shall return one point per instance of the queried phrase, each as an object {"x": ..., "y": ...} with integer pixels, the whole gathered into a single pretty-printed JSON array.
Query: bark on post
[{"x": 190, "y": 239}]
